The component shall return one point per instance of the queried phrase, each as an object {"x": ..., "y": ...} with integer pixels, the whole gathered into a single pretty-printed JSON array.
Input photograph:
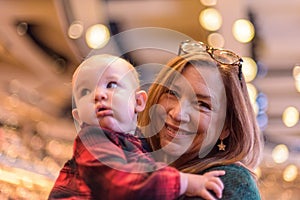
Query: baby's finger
[
  {"x": 216, "y": 173},
  {"x": 213, "y": 186},
  {"x": 205, "y": 194},
  {"x": 217, "y": 181}
]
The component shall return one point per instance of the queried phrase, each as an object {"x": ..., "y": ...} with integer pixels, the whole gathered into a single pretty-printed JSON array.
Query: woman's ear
[
  {"x": 225, "y": 133},
  {"x": 141, "y": 98}
]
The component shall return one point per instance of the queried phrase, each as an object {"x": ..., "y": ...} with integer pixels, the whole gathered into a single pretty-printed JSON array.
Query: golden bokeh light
[
  {"x": 97, "y": 36},
  {"x": 210, "y": 19},
  {"x": 216, "y": 40},
  {"x": 290, "y": 116},
  {"x": 208, "y": 2},
  {"x": 297, "y": 84},
  {"x": 252, "y": 92},
  {"x": 280, "y": 153},
  {"x": 296, "y": 72},
  {"x": 243, "y": 30},
  {"x": 290, "y": 173},
  {"x": 249, "y": 69}
]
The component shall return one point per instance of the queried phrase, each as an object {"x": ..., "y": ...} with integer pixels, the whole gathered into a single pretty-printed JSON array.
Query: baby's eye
[
  {"x": 112, "y": 84},
  {"x": 84, "y": 92}
]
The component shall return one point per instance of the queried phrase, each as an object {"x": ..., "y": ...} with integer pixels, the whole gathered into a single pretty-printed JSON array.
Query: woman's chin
[{"x": 173, "y": 149}]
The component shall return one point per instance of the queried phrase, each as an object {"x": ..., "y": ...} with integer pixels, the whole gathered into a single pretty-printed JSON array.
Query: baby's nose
[{"x": 100, "y": 94}]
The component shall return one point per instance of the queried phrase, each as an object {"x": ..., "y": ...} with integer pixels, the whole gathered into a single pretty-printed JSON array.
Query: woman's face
[{"x": 192, "y": 112}]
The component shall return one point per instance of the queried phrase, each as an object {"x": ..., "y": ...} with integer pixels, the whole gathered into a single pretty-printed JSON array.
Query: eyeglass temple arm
[{"x": 240, "y": 69}]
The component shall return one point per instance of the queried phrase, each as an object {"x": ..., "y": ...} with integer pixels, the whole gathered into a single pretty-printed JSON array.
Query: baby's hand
[{"x": 200, "y": 185}]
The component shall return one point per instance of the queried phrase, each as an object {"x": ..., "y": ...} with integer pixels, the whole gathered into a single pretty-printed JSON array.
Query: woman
[{"x": 200, "y": 113}]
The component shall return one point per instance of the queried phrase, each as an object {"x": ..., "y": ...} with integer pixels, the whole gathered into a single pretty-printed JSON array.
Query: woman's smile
[{"x": 176, "y": 132}]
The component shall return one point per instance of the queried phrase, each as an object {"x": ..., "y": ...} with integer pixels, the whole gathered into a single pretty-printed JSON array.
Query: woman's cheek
[
  {"x": 158, "y": 116},
  {"x": 195, "y": 147},
  {"x": 203, "y": 124}
]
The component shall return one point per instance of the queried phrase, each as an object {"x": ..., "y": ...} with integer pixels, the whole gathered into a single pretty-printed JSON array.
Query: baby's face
[{"x": 105, "y": 95}]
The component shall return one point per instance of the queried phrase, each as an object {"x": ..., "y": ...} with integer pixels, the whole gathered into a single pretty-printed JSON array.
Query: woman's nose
[
  {"x": 179, "y": 111},
  {"x": 100, "y": 94}
]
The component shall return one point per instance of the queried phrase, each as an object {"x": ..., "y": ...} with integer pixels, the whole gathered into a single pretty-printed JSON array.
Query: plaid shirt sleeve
[{"x": 114, "y": 166}]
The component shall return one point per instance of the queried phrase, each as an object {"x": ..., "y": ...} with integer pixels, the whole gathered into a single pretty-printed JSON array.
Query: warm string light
[
  {"x": 280, "y": 153},
  {"x": 244, "y": 32},
  {"x": 296, "y": 76},
  {"x": 96, "y": 36},
  {"x": 290, "y": 116},
  {"x": 210, "y": 19},
  {"x": 29, "y": 164}
]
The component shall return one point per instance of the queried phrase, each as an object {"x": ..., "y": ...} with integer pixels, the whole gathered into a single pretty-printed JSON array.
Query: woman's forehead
[
  {"x": 209, "y": 73},
  {"x": 202, "y": 80}
]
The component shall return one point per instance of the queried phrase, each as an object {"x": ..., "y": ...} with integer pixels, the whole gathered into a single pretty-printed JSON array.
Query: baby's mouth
[
  {"x": 104, "y": 111},
  {"x": 101, "y": 109}
]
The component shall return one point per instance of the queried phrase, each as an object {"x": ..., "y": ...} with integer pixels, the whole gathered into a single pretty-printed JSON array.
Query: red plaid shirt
[{"x": 109, "y": 165}]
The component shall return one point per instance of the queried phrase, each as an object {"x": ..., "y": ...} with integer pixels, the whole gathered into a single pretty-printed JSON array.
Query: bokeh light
[
  {"x": 290, "y": 173},
  {"x": 243, "y": 30},
  {"x": 252, "y": 92},
  {"x": 208, "y": 2},
  {"x": 75, "y": 30},
  {"x": 249, "y": 69},
  {"x": 296, "y": 75},
  {"x": 297, "y": 85},
  {"x": 258, "y": 172},
  {"x": 290, "y": 116},
  {"x": 210, "y": 19},
  {"x": 97, "y": 36},
  {"x": 216, "y": 40},
  {"x": 296, "y": 72},
  {"x": 280, "y": 153},
  {"x": 22, "y": 28}
]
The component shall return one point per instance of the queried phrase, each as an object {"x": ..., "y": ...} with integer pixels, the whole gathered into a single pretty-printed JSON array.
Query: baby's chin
[{"x": 110, "y": 124}]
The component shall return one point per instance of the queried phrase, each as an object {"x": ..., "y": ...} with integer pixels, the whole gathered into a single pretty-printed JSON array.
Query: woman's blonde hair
[{"x": 243, "y": 144}]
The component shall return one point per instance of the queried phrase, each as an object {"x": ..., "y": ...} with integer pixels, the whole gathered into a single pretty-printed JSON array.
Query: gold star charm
[{"x": 221, "y": 146}]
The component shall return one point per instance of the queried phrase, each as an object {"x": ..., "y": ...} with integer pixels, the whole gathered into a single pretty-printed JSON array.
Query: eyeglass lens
[
  {"x": 225, "y": 57},
  {"x": 193, "y": 47}
]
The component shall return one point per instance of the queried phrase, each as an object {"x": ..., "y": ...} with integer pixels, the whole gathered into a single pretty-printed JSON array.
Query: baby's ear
[
  {"x": 76, "y": 116},
  {"x": 141, "y": 98}
]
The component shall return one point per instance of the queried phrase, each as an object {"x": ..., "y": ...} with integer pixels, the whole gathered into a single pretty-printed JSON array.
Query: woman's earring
[{"x": 221, "y": 146}]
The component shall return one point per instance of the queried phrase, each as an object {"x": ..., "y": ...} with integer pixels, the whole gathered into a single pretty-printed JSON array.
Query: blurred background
[{"x": 42, "y": 42}]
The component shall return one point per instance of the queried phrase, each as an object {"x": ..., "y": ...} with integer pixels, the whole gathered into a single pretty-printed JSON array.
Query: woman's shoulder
[
  {"x": 235, "y": 172},
  {"x": 239, "y": 182},
  {"x": 232, "y": 168}
]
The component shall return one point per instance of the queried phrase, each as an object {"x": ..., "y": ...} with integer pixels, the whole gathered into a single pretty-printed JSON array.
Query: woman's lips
[{"x": 176, "y": 132}]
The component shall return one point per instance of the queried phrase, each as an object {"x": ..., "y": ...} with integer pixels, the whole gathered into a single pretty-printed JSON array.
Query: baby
[{"x": 109, "y": 160}]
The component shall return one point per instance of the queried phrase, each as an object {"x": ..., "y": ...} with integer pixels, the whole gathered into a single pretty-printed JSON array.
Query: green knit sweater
[{"x": 238, "y": 182}]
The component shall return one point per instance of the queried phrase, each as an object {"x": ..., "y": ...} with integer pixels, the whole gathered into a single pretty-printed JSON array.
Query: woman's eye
[
  {"x": 112, "y": 85},
  {"x": 172, "y": 92},
  {"x": 84, "y": 92},
  {"x": 203, "y": 105}
]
